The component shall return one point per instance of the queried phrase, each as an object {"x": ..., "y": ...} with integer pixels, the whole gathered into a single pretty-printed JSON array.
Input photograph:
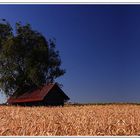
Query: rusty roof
[{"x": 36, "y": 95}]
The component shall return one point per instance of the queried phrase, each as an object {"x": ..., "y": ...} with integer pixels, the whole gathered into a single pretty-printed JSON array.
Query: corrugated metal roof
[{"x": 36, "y": 95}]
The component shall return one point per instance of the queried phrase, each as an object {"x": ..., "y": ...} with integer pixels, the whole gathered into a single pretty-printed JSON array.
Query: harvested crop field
[{"x": 88, "y": 120}]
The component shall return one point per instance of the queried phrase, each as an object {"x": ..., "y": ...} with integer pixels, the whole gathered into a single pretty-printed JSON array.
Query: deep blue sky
[{"x": 99, "y": 46}]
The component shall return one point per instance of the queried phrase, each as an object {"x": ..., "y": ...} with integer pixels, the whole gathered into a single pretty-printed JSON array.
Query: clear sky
[{"x": 99, "y": 46}]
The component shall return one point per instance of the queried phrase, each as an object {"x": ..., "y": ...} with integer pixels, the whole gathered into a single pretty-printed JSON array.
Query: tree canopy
[{"x": 27, "y": 58}]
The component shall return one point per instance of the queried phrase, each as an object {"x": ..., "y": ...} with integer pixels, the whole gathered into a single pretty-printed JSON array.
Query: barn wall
[
  {"x": 54, "y": 97},
  {"x": 39, "y": 103}
]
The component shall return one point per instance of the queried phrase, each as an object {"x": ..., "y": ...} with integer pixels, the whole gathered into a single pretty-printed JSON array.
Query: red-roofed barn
[{"x": 49, "y": 94}]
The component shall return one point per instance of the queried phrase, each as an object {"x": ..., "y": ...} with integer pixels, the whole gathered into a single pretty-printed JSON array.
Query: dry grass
[{"x": 92, "y": 120}]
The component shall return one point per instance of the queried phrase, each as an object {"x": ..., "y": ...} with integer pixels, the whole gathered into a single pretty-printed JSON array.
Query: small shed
[{"x": 48, "y": 95}]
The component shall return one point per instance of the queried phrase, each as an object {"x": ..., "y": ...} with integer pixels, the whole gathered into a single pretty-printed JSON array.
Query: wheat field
[{"x": 86, "y": 120}]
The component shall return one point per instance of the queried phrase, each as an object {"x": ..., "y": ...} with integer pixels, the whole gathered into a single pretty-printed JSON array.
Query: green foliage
[{"x": 27, "y": 59}]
